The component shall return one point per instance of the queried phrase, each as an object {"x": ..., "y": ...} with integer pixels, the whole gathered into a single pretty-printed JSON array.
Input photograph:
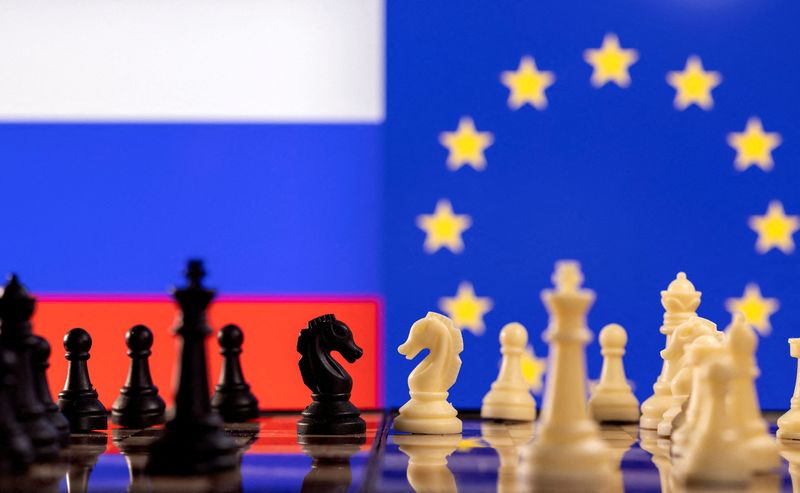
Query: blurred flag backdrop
[{"x": 640, "y": 138}]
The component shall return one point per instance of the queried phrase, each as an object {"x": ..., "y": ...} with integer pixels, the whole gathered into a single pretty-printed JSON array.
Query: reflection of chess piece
[
  {"x": 790, "y": 450},
  {"x": 510, "y": 396},
  {"x": 567, "y": 449},
  {"x": 681, "y": 385},
  {"x": 83, "y": 452},
  {"x": 134, "y": 449},
  {"x": 659, "y": 450},
  {"x": 700, "y": 353},
  {"x": 619, "y": 443},
  {"x": 680, "y": 301},
  {"x": 330, "y": 462},
  {"x": 743, "y": 406},
  {"x": 427, "y": 461},
  {"x": 789, "y": 423},
  {"x": 428, "y": 410},
  {"x": 612, "y": 398},
  {"x": 507, "y": 440},
  {"x": 714, "y": 456}
]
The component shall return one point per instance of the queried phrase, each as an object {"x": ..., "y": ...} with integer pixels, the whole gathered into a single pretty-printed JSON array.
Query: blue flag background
[{"x": 617, "y": 178}]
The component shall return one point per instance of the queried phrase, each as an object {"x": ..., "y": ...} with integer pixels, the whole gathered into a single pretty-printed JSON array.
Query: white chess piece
[
  {"x": 567, "y": 448},
  {"x": 507, "y": 439},
  {"x": 676, "y": 352},
  {"x": 715, "y": 455},
  {"x": 510, "y": 396},
  {"x": 789, "y": 423},
  {"x": 428, "y": 410},
  {"x": 427, "y": 470},
  {"x": 612, "y": 398},
  {"x": 699, "y": 354},
  {"x": 680, "y": 301},
  {"x": 743, "y": 407},
  {"x": 619, "y": 441}
]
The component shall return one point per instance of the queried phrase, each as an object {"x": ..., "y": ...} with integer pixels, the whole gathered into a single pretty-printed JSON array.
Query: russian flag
[{"x": 135, "y": 135}]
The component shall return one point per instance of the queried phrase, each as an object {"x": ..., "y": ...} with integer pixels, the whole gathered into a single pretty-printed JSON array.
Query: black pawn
[
  {"x": 233, "y": 399},
  {"x": 138, "y": 404},
  {"x": 41, "y": 362},
  {"x": 193, "y": 441},
  {"x": 16, "y": 451},
  {"x": 78, "y": 401},
  {"x": 16, "y": 336}
]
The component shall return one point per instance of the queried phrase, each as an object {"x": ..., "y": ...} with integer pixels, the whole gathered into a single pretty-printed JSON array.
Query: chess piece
[
  {"x": 40, "y": 357},
  {"x": 16, "y": 450},
  {"x": 612, "y": 399},
  {"x": 743, "y": 407},
  {"x": 82, "y": 455},
  {"x": 507, "y": 439},
  {"x": 233, "y": 399},
  {"x": 138, "y": 404},
  {"x": 78, "y": 401},
  {"x": 699, "y": 354},
  {"x": 567, "y": 449},
  {"x": 681, "y": 386},
  {"x": 193, "y": 441},
  {"x": 680, "y": 301},
  {"x": 16, "y": 336},
  {"x": 428, "y": 410},
  {"x": 714, "y": 456},
  {"x": 510, "y": 396},
  {"x": 427, "y": 470},
  {"x": 330, "y": 412},
  {"x": 789, "y": 423},
  {"x": 330, "y": 462}
]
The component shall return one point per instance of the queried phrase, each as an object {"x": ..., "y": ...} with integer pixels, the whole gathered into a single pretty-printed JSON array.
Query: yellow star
[
  {"x": 754, "y": 146},
  {"x": 533, "y": 369},
  {"x": 465, "y": 309},
  {"x": 443, "y": 228},
  {"x": 754, "y": 307},
  {"x": 694, "y": 85},
  {"x": 468, "y": 444},
  {"x": 527, "y": 84},
  {"x": 775, "y": 229},
  {"x": 466, "y": 145},
  {"x": 610, "y": 62}
]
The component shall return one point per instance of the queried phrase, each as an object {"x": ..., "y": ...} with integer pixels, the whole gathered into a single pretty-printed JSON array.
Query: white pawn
[
  {"x": 789, "y": 423},
  {"x": 715, "y": 455},
  {"x": 743, "y": 407},
  {"x": 612, "y": 398},
  {"x": 428, "y": 410},
  {"x": 510, "y": 396}
]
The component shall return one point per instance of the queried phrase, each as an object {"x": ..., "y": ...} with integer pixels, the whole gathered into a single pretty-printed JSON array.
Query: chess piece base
[
  {"x": 789, "y": 425},
  {"x": 202, "y": 448},
  {"x": 428, "y": 413},
  {"x": 653, "y": 409},
  {"x": 83, "y": 411},
  {"x": 138, "y": 411},
  {"x": 511, "y": 412},
  {"x": 618, "y": 407},
  {"x": 762, "y": 453},
  {"x": 236, "y": 406},
  {"x": 331, "y": 415},
  {"x": 578, "y": 466}
]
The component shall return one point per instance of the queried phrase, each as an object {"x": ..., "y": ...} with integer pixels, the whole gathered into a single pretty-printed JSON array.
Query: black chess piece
[
  {"x": 16, "y": 336},
  {"x": 78, "y": 401},
  {"x": 233, "y": 399},
  {"x": 330, "y": 462},
  {"x": 193, "y": 441},
  {"x": 41, "y": 362},
  {"x": 138, "y": 404},
  {"x": 331, "y": 412},
  {"x": 16, "y": 450}
]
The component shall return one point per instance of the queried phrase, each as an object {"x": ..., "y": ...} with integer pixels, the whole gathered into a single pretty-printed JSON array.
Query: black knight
[{"x": 331, "y": 412}]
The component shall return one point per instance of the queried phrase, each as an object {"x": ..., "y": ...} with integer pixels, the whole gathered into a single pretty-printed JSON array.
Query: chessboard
[{"x": 274, "y": 458}]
